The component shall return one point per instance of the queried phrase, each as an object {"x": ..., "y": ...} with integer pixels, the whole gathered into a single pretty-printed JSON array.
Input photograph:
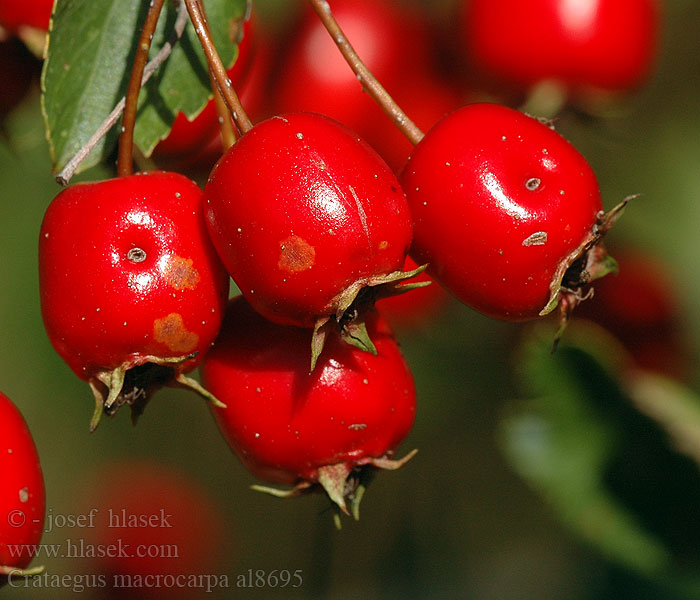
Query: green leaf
[
  {"x": 609, "y": 471},
  {"x": 182, "y": 84},
  {"x": 674, "y": 407},
  {"x": 88, "y": 64},
  {"x": 85, "y": 72}
]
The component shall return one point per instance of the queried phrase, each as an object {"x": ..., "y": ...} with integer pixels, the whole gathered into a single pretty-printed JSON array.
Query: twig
[
  {"x": 364, "y": 75},
  {"x": 226, "y": 127},
  {"x": 223, "y": 83},
  {"x": 125, "y": 160},
  {"x": 227, "y": 130},
  {"x": 66, "y": 174}
]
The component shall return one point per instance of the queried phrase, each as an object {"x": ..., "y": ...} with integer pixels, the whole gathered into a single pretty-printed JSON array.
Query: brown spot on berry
[
  {"x": 171, "y": 331},
  {"x": 180, "y": 273},
  {"x": 296, "y": 254}
]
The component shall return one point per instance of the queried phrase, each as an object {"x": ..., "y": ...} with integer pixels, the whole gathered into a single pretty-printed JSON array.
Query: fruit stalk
[
  {"x": 364, "y": 75},
  {"x": 223, "y": 83},
  {"x": 226, "y": 127},
  {"x": 125, "y": 165},
  {"x": 227, "y": 130}
]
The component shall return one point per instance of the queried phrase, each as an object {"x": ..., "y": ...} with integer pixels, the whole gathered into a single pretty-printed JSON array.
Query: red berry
[
  {"x": 604, "y": 44},
  {"x": 33, "y": 13},
  {"x": 503, "y": 207},
  {"x": 289, "y": 426},
  {"x": 166, "y": 531},
  {"x": 22, "y": 496},
  {"x": 132, "y": 292},
  {"x": 305, "y": 215}
]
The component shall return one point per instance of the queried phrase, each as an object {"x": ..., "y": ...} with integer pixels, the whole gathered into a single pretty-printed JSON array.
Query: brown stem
[
  {"x": 223, "y": 83},
  {"x": 126, "y": 139},
  {"x": 226, "y": 128},
  {"x": 66, "y": 174},
  {"x": 364, "y": 75}
]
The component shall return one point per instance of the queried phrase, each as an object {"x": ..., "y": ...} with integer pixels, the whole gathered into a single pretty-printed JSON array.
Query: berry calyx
[
  {"x": 420, "y": 306},
  {"x": 640, "y": 306}
]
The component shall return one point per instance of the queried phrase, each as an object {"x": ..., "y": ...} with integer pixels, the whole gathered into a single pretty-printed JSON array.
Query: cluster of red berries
[
  {"x": 313, "y": 226},
  {"x": 304, "y": 375}
]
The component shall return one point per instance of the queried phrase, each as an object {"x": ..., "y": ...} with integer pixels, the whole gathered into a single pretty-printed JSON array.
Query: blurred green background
[{"x": 458, "y": 521}]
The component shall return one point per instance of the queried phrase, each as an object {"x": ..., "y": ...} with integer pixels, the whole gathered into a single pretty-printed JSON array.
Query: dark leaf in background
[{"x": 611, "y": 473}]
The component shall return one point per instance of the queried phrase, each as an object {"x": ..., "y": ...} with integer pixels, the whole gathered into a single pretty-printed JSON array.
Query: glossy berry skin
[
  {"x": 128, "y": 276},
  {"x": 301, "y": 210},
  {"x": 285, "y": 424},
  {"x": 500, "y": 202},
  {"x": 170, "y": 525},
  {"x": 33, "y": 13},
  {"x": 22, "y": 495},
  {"x": 603, "y": 44}
]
